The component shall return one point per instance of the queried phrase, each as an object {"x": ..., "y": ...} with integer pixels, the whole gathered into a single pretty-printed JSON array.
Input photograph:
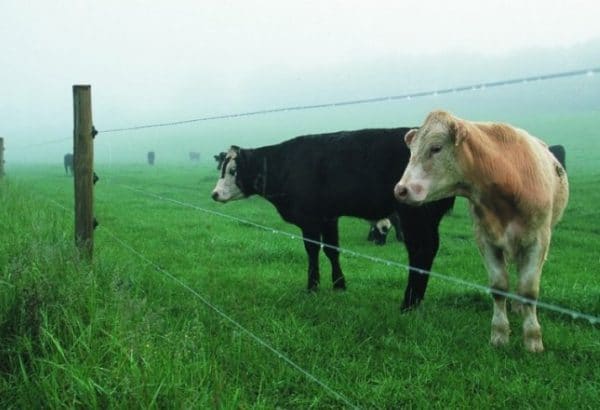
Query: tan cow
[{"x": 517, "y": 192}]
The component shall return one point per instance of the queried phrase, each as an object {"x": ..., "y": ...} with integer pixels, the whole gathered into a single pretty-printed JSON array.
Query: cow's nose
[
  {"x": 401, "y": 192},
  {"x": 215, "y": 195}
]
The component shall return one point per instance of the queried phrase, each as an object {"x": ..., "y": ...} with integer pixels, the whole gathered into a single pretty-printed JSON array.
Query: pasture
[{"x": 133, "y": 329}]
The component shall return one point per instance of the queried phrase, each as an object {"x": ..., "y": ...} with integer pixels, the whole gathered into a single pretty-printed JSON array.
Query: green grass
[{"x": 120, "y": 333}]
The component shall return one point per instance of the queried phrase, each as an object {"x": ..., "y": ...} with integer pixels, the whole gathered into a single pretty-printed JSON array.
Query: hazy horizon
[{"x": 175, "y": 61}]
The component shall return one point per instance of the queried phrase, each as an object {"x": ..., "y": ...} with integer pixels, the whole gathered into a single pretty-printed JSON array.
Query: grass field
[{"x": 132, "y": 329}]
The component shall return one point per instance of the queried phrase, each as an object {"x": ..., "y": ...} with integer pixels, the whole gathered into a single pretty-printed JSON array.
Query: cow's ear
[
  {"x": 458, "y": 132},
  {"x": 410, "y": 136}
]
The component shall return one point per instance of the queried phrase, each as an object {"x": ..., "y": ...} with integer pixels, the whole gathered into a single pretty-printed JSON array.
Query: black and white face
[
  {"x": 227, "y": 188},
  {"x": 383, "y": 226}
]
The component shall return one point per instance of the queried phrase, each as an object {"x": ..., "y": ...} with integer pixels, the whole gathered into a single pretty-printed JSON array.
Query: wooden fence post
[
  {"x": 1, "y": 157},
  {"x": 83, "y": 161}
]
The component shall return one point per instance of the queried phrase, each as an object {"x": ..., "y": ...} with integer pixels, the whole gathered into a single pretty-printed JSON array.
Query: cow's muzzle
[
  {"x": 401, "y": 192},
  {"x": 411, "y": 194}
]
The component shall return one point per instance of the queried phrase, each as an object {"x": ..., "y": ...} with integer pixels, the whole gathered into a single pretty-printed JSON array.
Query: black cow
[
  {"x": 68, "y": 163},
  {"x": 150, "y": 157},
  {"x": 559, "y": 152},
  {"x": 313, "y": 180},
  {"x": 220, "y": 157},
  {"x": 379, "y": 229}
]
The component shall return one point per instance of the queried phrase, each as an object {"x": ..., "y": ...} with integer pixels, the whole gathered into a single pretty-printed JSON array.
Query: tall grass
[{"x": 120, "y": 333}]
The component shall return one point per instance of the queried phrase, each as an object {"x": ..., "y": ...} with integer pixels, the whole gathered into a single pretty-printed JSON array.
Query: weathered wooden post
[
  {"x": 83, "y": 161},
  {"x": 1, "y": 157}
]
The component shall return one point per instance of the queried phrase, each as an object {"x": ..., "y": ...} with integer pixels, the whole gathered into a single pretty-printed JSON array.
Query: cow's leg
[
  {"x": 311, "y": 244},
  {"x": 329, "y": 230},
  {"x": 529, "y": 264},
  {"x": 495, "y": 263},
  {"x": 420, "y": 230}
]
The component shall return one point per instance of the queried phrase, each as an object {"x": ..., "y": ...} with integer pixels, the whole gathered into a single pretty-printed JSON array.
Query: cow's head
[
  {"x": 432, "y": 172},
  {"x": 230, "y": 185},
  {"x": 379, "y": 230}
]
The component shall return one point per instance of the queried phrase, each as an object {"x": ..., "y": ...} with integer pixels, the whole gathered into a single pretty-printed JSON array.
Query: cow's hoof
[
  {"x": 409, "y": 306},
  {"x": 500, "y": 333},
  {"x": 534, "y": 345},
  {"x": 411, "y": 301},
  {"x": 339, "y": 285},
  {"x": 532, "y": 338},
  {"x": 499, "y": 339}
]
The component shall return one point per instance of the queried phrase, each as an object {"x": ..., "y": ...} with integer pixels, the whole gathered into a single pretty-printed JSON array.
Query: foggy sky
[{"x": 150, "y": 61}]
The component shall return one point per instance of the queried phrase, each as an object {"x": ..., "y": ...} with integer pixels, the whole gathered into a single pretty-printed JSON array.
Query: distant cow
[
  {"x": 313, "y": 180},
  {"x": 517, "y": 192},
  {"x": 219, "y": 158},
  {"x": 68, "y": 163},
  {"x": 194, "y": 156},
  {"x": 150, "y": 157},
  {"x": 379, "y": 229}
]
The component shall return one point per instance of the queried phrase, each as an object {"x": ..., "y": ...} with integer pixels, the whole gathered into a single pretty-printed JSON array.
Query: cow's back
[{"x": 349, "y": 173}]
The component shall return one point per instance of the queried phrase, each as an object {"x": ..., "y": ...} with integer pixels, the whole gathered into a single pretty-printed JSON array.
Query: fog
[{"x": 155, "y": 62}]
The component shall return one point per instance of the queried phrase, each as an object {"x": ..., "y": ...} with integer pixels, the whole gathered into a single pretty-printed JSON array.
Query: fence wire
[
  {"x": 223, "y": 315},
  {"x": 408, "y": 96},
  {"x": 593, "y": 320},
  {"x": 548, "y": 306}
]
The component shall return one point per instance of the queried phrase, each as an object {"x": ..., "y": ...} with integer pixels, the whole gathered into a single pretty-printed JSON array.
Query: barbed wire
[
  {"x": 570, "y": 312},
  {"x": 452, "y": 279},
  {"x": 234, "y": 322},
  {"x": 407, "y": 96},
  {"x": 221, "y": 313},
  {"x": 473, "y": 87}
]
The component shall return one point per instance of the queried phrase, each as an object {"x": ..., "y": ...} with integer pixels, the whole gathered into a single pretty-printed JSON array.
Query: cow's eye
[
  {"x": 232, "y": 172},
  {"x": 435, "y": 149}
]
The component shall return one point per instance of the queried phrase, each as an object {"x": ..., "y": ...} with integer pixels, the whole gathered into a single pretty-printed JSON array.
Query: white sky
[
  {"x": 305, "y": 33},
  {"x": 154, "y": 50}
]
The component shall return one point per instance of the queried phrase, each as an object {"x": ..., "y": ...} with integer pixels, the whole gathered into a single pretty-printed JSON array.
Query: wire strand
[
  {"x": 408, "y": 96},
  {"x": 225, "y": 316},
  {"x": 461, "y": 282},
  {"x": 574, "y": 314},
  {"x": 235, "y": 323}
]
